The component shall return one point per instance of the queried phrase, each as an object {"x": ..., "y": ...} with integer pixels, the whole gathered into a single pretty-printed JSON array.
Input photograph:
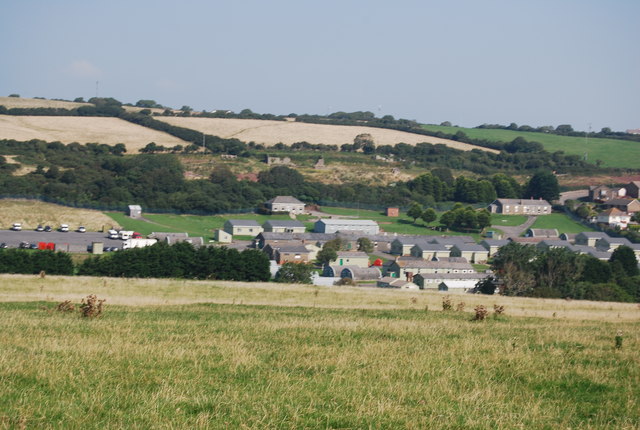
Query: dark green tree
[
  {"x": 295, "y": 273},
  {"x": 627, "y": 258},
  {"x": 365, "y": 245},
  {"x": 543, "y": 184},
  {"x": 429, "y": 215},
  {"x": 415, "y": 211}
]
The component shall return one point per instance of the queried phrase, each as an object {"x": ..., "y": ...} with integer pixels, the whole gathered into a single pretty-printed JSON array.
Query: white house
[
  {"x": 285, "y": 204},
  {"x": 614, "y": 217}
]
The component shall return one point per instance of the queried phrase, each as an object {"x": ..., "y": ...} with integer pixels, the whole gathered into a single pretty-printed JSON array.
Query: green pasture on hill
[
  {"x": 612, "y": 152},
  {"x": 263, "y": 367},
  {"x": 560, "y": 221}
]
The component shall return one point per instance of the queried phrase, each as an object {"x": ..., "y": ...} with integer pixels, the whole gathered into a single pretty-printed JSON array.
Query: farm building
[
  {"x": 134, "y": 211},
  {"x": 244, "y": 227},
  {"x": 549, "y": 233},
  {"x": 291, "y": 254},
  {"x": 283, "y": 226},
  {"x": 388, "y": 282},
  {"x": 411, "y": 266},
  {"x": 366, "y": 227},
  {"x": 472, "y": 252},
  {"x": 352, "y": 258},
  {"x": 589, "y": 238},
  {"x": 493, "y": 245},
  {"x": 360, "y": 273},
  {"x": 287, "y": 204},
  {"x": 448, "y": 281},
  {"x": 429, "y": 250},
  {"x": 392, "y": 212},
  {"x": 520, "y": 207}
]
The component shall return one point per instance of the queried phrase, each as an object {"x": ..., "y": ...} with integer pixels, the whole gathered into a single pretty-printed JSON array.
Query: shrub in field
[
  {"x": 481, "y": 313},
  {"x": 498, "y": 309},
  {"x": 345, "y": 281},
  {"x": 447, "y": 305},
  {"x": 619, "y": 340},
  {"x": 91, "y": 306},
  {"x": 65, "y": 306},
  {"x": 460, "y": 307}
]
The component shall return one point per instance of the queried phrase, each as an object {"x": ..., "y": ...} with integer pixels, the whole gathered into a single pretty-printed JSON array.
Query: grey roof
[
  {"x": 426, "y": 245},
  {"x": 495, "y": 242},
  {"x": 349, "y": 222},
  {"x": 362, "y": 272},
  {"x": 452, "y": 240},
  {"x": 291, "y": 248},
  {"x": 524, "y": 202},
  {"x": 243, "y": 222},
  {"x": 470, "y": 247},
  {"x": 344, "y": 254},
  {"x": 544, "y": 232},
  {"x": 474, "y": 275},
  {"x": 618, "y": 202},
  {"x": 285, "y": 199},
  {"x": 283, "y": 223},
  {"x": 593, "y": 234},
  {"x": 442, "y": 263}
]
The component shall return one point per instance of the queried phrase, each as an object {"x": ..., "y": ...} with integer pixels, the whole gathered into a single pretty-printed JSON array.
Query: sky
[{"x": 468, "y": 62}]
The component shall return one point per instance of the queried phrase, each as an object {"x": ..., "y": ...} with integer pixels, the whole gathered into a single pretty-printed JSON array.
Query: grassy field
[
  {"x": 195, "y": 225},
  {"x": 287, "y": 356},
  {"x": 19, "y": 102},
  {"x": 33, "y": 212},
  {"x": 507, "y": 220},
  {"x": 67, "y": 129},
  {"x": 271, "y": 132},
  {"x": 612, "y": 152},
  {"x": 560, "y": 221}
]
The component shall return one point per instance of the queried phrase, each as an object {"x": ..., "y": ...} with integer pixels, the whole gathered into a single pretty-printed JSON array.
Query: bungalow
[
  {"x": 633, "y": 189},
  {"x": 610, "y": 244},
  {"x": 549, "y": 233},
  {"x": 388, "y": 282},
  {"x": 493, "y": 245},
  {"x": 602, "y": 193},
  {"x": 353, "y": 258},
  {"x": 244, "y": 227},
  {"x": 589, "y": 238},
  {"x": 448, "y": 281},
  {"x": 472, "y": 252},
  {"x": 520, "y": 207},
  {"x": 366, "y": 226},
  {"x": 614, "y": 217},
  {"x": 429, "y": 250},
  {"x": 291, "y": 254},
  {"x": 402, "y": 245},
  {"x": 407, "y": 267},
  {"x": 360, "y": 273},
  {"x": 285, "y": 204},
  {"x": 629, "y": 206},
  {"x": 283, "y": 226}
]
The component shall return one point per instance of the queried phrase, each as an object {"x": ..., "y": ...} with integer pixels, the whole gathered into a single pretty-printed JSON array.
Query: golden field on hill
[
  {"x": 19, "y": 102},
  {"x": 271, "y": 132},
  {"x": 67, "y": 129},
  {"x": 32, "y": 212}
]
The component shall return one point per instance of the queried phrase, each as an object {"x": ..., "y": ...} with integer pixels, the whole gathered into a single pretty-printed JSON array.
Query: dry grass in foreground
[
  {"x": 143, "y": 292},
  {"x": 68, "y": 129},
  {"x": 33, "y": 212},
  {"x": 271, "y": 132}
]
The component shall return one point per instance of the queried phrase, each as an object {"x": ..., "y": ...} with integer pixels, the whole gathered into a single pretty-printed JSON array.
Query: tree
[
  {"x": 627, "y": 259},
  {"x": 429, "y": 215},
  {"x": 326, "y": 255},
  {"x": 415, "y": 211},
  {"x": 512, "y": 265},
  {"x": 294, "y": 273},
  {"x": 544, "y": 185},
  {"x": 186, "y": 109},
  {"x": 79, "y": 100},
  {"x": 365, "y": 245}
]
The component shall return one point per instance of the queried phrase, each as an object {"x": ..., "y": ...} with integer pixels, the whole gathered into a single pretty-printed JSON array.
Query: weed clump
[
  {"x": 460, "y": 307},
  {"x": 91, "y": 306},
  {"x": 618, "y": 339},
  {"x": 65, "y": 306},
  {"x": 498, "y": 310},
  {"x": 447, "y": 305},
  {"x": 481, "y": 313}
]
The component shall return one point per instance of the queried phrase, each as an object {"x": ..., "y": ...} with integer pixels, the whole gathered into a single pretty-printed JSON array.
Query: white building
[{"x": 365, "y": 226}]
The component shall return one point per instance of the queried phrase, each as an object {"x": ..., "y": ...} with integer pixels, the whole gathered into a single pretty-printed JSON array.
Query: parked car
[
  {"x": 81, "y": 229},
  {"x": 48, "y": 228},
  {"x": 39, "y": 228},
  {"x": 33, "y": 246},
  {"x": 24, "y": 245},
  {"x": 3, "y": 245},
  {"x": 16, "y": 226},
  {"x": 64, "y": 228}
]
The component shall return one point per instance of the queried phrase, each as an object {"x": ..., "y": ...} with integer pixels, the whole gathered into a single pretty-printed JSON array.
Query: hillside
[
  {"x": 612, "y": 152},
  {"x": 19, "y": 102},
  {"x": 67, "y": 129},
  {"x": 271, "y": 132}
]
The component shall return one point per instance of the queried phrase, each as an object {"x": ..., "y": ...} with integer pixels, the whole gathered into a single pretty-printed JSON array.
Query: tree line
[{"x": 524, "y": 270}]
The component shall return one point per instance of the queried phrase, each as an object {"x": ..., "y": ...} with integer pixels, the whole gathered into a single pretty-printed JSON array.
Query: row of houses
[{"x": 248, "y": 227}]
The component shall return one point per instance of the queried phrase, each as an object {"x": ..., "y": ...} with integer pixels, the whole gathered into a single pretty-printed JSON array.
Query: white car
[
  {"x": 82, "y": 229},
  {"x": 16, "y": 226},
  {"x": 64, "y": 228}
]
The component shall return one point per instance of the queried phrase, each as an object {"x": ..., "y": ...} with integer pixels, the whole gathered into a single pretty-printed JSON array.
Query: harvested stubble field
[
  {"x": 68, "y": 129},
  {"x": 271, "y": 132},
  {"x": 313, "y": 358},
  {"x": 19, "y": 102},
  {"x": 33, "y": 212}
]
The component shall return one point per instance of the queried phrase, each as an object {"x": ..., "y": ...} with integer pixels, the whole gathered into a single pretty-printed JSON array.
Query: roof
[
  {"x": 474, "y": 275},
  {"x": 593, "y": 235},
  {"x": 352, "y": 254},
  {"x": 470, "y": 247},
  {"x": 138, "y": 207},
  {"x": 352, "y": 222},
  {"x": 362, "y": 272},
  {"x": 612, "y": 212},
  {"x": 426, "y": 245},
  {"x": 523, "y": 202},
  {"x": 283, "y": 223},
  {"x": 285, "y": 199},
  {"x": 544, "y": 232},
  {"x": 496, "y": 242},
  {"x": 442, "y": 263},
  {"x": 243, "y": 222},
  {"x": 292, "y": 248},
  {"x": 619, "y": 202}
]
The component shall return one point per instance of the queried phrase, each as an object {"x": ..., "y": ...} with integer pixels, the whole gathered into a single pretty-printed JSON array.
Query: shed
[{"x": 134, "y": 211}]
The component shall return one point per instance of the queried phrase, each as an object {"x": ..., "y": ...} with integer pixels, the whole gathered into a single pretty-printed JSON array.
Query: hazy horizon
[{"x": 535, "y": 63}]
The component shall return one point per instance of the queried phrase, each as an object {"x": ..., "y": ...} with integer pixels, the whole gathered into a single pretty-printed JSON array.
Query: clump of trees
[
  {"x": 523, "y": 270},
  {"x": 24, "y": 261}
]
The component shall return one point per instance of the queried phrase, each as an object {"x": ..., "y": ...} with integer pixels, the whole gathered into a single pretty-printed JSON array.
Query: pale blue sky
[{"x": 469, "y": 62}]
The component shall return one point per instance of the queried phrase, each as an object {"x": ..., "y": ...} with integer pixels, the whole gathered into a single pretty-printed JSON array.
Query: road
[
  {"x": 71, "y": 241},
  {"x": 517, "y": 230}
]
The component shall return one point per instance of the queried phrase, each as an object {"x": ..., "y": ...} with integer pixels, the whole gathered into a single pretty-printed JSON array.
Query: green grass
[
  {"x": 195, "y": 225},
  {"x": 613, "y": 152},
  {"x": 560, "y": 221},
  {"x": 261, "y": 367},
  {"x": 508, "y": 220}
]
